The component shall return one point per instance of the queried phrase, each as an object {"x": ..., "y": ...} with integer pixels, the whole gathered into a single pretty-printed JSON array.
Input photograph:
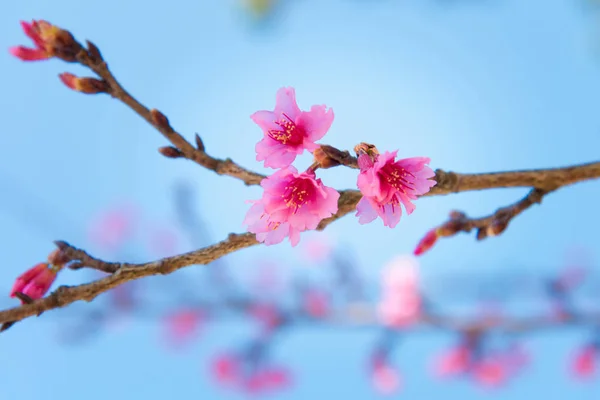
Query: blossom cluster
[{"x": 295, "y": 201}]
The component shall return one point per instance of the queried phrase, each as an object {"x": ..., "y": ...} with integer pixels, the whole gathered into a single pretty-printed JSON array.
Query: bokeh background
[{"x": 478, "y": 85}]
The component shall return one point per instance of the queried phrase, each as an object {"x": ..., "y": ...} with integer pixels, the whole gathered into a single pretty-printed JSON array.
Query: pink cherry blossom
[
  {"x": 490, "y": 372},
  {"x": 43, "y": 34},
  {"x": 182, "y": 326},
  {"x": 267, "y": 315},
  {"x": 288, "y": 131},
  {"x": 316, "y": 303},
  {"x": 36, "y": 281},
  {"x": 386, "y": 183},
  {"x": 400, "y": 302},
  {"x": 292, "y": 202},
  {"x": 453, "y": 362},
  {"x": 584, "y": 362},
  {"x": 385, "y": 378},
  {"x": 226, "y": 369},
  {"x": 113, "y": 227}
]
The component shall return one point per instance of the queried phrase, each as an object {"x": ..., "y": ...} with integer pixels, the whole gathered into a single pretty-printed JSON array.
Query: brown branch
[
  {"x": 93, "y": 60},
  {"x": 122, "y": 272}
]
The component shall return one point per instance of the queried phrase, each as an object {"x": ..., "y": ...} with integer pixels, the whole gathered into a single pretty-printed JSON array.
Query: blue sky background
[{"x": 475, "y": 85}]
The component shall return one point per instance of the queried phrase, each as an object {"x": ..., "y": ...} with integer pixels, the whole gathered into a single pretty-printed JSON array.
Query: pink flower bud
[
  {"x": 49, "y": 41},
  {"x": 426, "y": 243},
  {"x": 36, "y": 281}
]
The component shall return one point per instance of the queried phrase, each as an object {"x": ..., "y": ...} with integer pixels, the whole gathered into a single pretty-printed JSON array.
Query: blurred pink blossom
[
  {"x": 490, "y": 372},
  {"x": 400, "y": 303},
  {"x": 182, "y": 326},
  {"x": 584, "y": 362},
  {"x": 453, "y": 362},
  {"x": 112, "y": 228},
  {"x": 316, "y": 303},
  {"x": 226, "y": 369},
  {"x": 386, "y": 379}
]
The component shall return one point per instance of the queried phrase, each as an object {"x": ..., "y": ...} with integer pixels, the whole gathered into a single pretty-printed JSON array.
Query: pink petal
[
  {"x": 27, "y": 54},
  {"x": 285, "y": 103},
  {"x": 365, "y": 211},
  {"x": 316, "y": 122}
]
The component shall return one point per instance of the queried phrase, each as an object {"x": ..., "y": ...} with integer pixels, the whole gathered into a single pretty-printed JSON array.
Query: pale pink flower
[
  {"x": 584, "y": 362},
  {"x": 182, "y": 326},
  {"x": 43, "y": 34},
  {"x": 113, "y": 227},
  {"x": 227, "y": 369},
  {"x": 288, "y": 131},
  {"x": 317, "y": 249},
  {"x": 385, "y": 378},
  {"x": 36, "y": 281},
  {"x": 267, "y": 315},
  {"x": 490, "y": 372},
  {"x": 316, "y": 303},
  {"x": 455, "y": 361},
  {"x": 400, "y": 303},
  {"x": 292, "y": 202},
  {"x": 266, "y": 379},
  {"x": 386, "y": 183}
]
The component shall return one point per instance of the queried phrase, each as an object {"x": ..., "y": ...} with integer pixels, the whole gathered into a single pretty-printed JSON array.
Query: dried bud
[
  {"x": 366, "y": 148},
  {"x": 58, "y": 257},
  {"x": 84, "y": 85},
  {"x": 324, "y": 160},
  {"x": 199, "y": 143},
  {"x": 427, "y": 242},
  {"x": 159, "y": 119},
  {"x": 170, "y": 152}
]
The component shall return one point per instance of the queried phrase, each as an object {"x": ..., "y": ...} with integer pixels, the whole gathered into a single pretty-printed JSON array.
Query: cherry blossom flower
[
  {"x": 36, "y": 281},
  {"x": 226, "y": 369},
  {"x": 292, "y": 202},
  {"x": 316, "y": 303},
  {"x": 385, "y": 378},
  {"x": 182, "y": 326},
  {"x": 386, "y": 183},
  {"x": 453, "y": 362},
  {"x": 490, "y": 372},
  {"x": 584, "y": 362},
  {"x": 288, "y": 131},
  {"x": 400, "y": 302},
  {"x": 114, "y": 227}
]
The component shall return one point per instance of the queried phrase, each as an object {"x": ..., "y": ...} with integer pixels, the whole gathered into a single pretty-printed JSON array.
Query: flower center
[
  {"x": 289, "y": 134},
  {"x": 297, "y": 194},
  {"x": 397, "y": 177}
]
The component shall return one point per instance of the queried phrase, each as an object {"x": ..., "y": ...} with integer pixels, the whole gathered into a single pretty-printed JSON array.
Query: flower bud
[
  {"x": 324, "y": 160},
  {"x": 84, "y": 85},
  {"x": 427, "y": 242},
  {"x": 170, "y": 152},
  {"x": 36, "y": 281}
]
